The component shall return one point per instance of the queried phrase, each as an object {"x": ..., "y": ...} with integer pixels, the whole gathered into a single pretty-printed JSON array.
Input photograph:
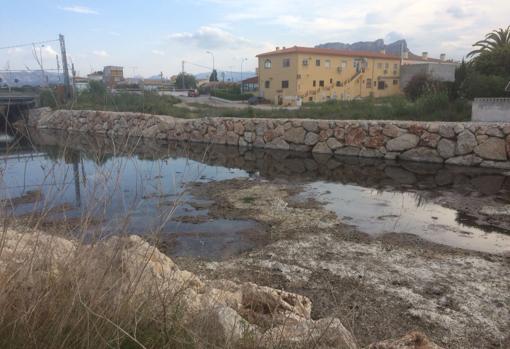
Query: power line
[{"x": 31, "y": 44}]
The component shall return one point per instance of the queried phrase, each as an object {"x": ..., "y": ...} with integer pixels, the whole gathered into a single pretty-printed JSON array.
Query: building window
[
  {"x": 386, "y": 66},
  {"x": 321, "y": 83},
  {"x": 395, "y": 82},
  {"x": 318, "y": 62},
  {"x": 286, "y": 62},
  {"x": 375, "y": 83},
  {"x": 327, "y": 63},
  {"x": 285, "y": 84},
  {"x": 338, "y": 84},
  {"x": 395, "y": 66},
  {"x": 314, "y": 83},
  {"x": 310, "y": 99},
  {"x": 267, "y": 64},
  {"x": 305, "y": 61},
  {"x": 330, "y": 81},
  {"x": 379, "y": 65},
  {"x": 298, "y": 76},
  {"x": 369, "y": 83},
  {"x": 395, "y": 72},
  {"x": 381, "y": 85},
  {"x": 385, "y": 72},
  {"x": 267, "y": 84}
]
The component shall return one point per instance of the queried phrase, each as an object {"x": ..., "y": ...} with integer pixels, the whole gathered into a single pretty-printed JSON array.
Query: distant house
[
  {"x": 112, "y": 75},
  {"x": 157, "y": 84},
  {"x": 291, "y": 75},
  {"x": 437, "y": 68},
  {"x": 95, "y": 76},
  {"x": 250, "y": 84},
  {"x": 80, "y": 84}
]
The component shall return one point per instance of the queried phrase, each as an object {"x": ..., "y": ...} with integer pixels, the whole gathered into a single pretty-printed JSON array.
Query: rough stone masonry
[{"x": 467, "y": 144}]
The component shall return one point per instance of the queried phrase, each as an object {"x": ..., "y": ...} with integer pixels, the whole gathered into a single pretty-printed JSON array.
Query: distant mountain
[
  {"x": 375, "y": 46},
  {"x": 229, "y": 76},
  {"x": 30, "y": 78}
]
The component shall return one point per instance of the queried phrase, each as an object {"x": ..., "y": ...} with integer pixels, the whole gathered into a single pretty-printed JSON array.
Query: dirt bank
[{"x": 378, "y": 288}]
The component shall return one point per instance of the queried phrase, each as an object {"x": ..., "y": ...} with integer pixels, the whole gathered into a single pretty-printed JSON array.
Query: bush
[
  {"x": 232, "y": 94},
  {"x": 432, "y": 102},
  {"x": 421, "y": 84},
  {"x": 480, "y": 85}
]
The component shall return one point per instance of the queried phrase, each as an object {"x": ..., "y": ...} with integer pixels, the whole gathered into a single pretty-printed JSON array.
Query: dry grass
[{"x": 63, "y": 284}]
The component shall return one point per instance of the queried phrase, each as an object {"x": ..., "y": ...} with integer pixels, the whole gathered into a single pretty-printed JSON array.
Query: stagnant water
[{"x": 128, "y": 186}]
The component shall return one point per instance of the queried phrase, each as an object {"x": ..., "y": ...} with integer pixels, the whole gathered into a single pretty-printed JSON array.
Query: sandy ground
[{"x": 379, "y": 288}]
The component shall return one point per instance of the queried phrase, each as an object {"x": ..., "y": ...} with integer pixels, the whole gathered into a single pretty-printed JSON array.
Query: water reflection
[{"x": 373, "y": 194}]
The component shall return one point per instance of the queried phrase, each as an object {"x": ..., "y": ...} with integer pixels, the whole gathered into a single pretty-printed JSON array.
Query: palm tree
[{"x": 495, "y": 39}]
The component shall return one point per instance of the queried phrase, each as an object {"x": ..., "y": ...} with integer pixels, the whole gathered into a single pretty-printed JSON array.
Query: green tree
[
  {"x": 186, "y": 81},
  {"x": 214, "y": 76},
  {"x": 480, "y": 85},
  {"x": 493, "y": 40},
  {"x": 422, "y": 84},
  {"x": 97, "y": 88},
  {"x": 494, "y": 62}
]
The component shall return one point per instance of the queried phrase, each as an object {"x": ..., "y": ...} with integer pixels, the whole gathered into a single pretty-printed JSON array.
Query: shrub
[
  {"x": 431, "y": 102},
  {"x": 421, "y": 84},
  {"x": 480, "y": 85}
]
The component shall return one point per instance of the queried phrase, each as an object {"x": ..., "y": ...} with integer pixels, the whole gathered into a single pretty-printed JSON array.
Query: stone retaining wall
[{"x": 468, "y": 144}]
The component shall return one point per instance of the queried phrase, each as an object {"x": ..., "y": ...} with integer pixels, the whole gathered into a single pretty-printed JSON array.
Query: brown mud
[{"x": 379, "y": 287}]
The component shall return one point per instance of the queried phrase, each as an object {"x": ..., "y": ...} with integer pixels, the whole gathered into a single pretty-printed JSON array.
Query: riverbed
[
  {"x": 135, "y": 187},
  {"x": 387, "y": 247}
]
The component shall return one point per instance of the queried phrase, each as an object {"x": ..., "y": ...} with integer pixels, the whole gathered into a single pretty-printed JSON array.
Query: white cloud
[
  {"x": 79, "y": 9},
  {"x": 101, "y": 53},
  {"x": 158, "y": 52},
  {"x": 112, "y": 33},
  {"x": 210, "y": 37},
  {"x": 433, "y": 25}
]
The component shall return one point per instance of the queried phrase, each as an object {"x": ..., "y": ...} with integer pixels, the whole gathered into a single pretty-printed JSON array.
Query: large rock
[
  {"x": 150, "y": 280},
  {"x": 322, "y": 147},
  {"x": 311, "y": 138},
  {"x": 466, "y": 160},
  {"x": 348, "y": 151},
  {"x": 446, "y": 131},
  {"x": 306, "y": 334},
  {"x": 421, "y": 154},
  {"x": 466, "y": 143},
  {"x": 333, "y": 144},
  {"x": 354, "y": 136},
  {"x": 404, "y": 142},
  {"x": 446, "y": 148},
  {"x": 492, "y": 149},
  {"x": 392, "y": 131},
  {"x": 310, "y": 125},
  {"x": 295, "y": 135},
  {"x": 278, "y": 143}
]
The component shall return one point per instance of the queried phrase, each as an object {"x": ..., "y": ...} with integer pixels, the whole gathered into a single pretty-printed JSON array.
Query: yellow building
[{"x": 293, "y": 75}]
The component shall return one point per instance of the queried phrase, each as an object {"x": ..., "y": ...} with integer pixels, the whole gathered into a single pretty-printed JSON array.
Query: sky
[{"x": 152, "y": 36}]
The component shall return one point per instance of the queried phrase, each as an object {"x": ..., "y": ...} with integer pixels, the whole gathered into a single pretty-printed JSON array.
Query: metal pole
[
  {"x": 182, "y": 75},
  {"x": 212, "y": 54},
  {"x": 242, "y": 61},
  {"x": 65, "y": 68}
]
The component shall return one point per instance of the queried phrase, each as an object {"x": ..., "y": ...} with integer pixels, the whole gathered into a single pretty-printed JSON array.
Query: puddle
[
  {"x": 378, "y": 211},
  {"x": 142, "y": 188}
]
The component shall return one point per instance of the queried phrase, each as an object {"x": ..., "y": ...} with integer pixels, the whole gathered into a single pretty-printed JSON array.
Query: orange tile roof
[{"x": 328, "y": 51}]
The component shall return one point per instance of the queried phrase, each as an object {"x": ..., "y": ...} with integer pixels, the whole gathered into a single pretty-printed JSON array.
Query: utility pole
[
  {"x": 65, "y": 68},
  {"x": 242, "y": 61},
  {"x": 58, "y": 68},
  {"x": 74, "y": 79},
  {"x": 182, "y": 75}
]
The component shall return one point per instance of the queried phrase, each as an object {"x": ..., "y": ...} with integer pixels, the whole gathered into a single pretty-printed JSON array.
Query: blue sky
[{"x": 152, "y": 36}]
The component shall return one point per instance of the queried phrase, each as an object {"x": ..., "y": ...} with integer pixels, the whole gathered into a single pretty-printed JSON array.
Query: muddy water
[{"x": 140, "y": 187}]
